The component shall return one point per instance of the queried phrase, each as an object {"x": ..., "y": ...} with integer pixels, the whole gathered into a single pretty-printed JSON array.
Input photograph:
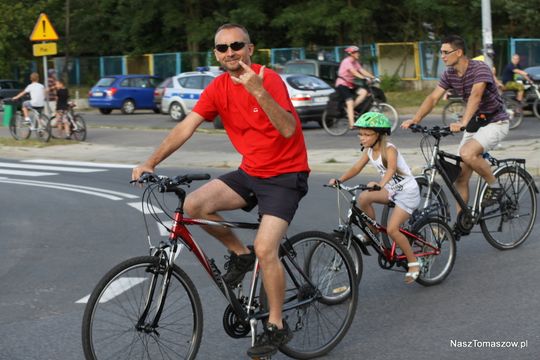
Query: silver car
[
  {"x": 309, "y": 95},
  {"x": 183, "y": 92}
]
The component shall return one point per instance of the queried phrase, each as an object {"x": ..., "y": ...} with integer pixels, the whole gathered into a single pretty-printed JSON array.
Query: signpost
[{"x": 44, "y": 31}]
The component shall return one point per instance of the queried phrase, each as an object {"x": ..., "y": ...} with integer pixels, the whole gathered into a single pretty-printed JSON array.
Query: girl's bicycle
[
  {"x": 431, "y": 240},
  {"x": 77, "y": 125},
  {"x": 148, "y": 307},
  {"x": 505, "y": 225}
]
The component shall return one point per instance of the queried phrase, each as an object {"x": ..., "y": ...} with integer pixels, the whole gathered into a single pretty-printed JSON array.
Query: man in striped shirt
[{"x": 485, "y": 119}]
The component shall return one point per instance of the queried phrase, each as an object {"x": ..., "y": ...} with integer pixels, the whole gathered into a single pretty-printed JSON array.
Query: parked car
[
  {"x": 125, "y": 92},
  {"x": 180, "y": 97},
  {"x": 309, "y": 95},
  {"x": 326, "y": 70},
  {"x": 8, "y": 89},
  {"x": 159, "y": 90}
]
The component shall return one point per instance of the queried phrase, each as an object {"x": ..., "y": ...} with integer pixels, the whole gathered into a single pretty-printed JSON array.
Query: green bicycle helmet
[{"x": 375, "y": 121}]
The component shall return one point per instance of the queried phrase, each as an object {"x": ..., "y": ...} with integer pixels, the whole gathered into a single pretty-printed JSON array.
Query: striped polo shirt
[{"x": 491, "y": 103}]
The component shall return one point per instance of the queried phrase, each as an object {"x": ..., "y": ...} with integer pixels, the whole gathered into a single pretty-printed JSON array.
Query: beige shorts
[{"x": 488, "y": 136}]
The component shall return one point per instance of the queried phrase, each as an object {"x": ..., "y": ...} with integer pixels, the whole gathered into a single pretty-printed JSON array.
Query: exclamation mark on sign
[{"x": 43, "y": 25}]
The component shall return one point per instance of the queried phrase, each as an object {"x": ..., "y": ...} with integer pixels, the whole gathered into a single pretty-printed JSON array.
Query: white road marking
[
  {"x": 116, "y": 288},
  {"x": 138, "y": 206},
  {"x": 79, "y": 163},
  {"x": 49, "y": 168},
  {"x": 25, "y": 173},
  {"x": 60, "y": 187}
]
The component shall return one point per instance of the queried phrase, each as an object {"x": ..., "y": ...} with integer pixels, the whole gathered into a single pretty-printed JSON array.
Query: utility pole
[{"x": 487, "y": 37}]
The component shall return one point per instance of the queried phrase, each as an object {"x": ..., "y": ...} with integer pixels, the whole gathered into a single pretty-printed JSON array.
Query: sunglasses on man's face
[{"x": 235, "y": 46}]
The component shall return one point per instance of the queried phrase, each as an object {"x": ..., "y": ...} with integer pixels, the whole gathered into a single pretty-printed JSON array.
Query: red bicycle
[
  {"x": 148, "y": 306},
  {"x": 431, "y": 239}
]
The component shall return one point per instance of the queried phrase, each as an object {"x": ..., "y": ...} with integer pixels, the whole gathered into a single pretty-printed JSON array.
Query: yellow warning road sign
[
  {"x": 45, "y": 49},
  {"x": 43, "y": 30}
]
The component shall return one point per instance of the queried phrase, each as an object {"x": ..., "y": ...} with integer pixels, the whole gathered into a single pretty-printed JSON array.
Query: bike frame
[{"x": 359, "y": 218}]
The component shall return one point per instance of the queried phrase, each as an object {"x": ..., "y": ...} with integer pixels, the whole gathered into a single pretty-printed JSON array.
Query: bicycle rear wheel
[
  {"x": 19, "y": 129},
  {"x": 319, "y": 323},
  {"x": 335, "y": 125},
  {"x": 536, "y": 108},
  {"x": 509, "y": 223},
  {"x": 389, "y": 111},
  {"x": 434, "y": 205},
  {"x": 78, "y": 128},
  {"x": 453, "y": 111},
  {"x": 43, "y": 130},
  {"x": 110, "y": 328},
  {"x": 435, "y": 268}
]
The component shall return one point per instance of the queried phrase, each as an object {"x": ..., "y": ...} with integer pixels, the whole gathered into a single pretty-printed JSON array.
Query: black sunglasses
[{"x": 235, "y": 46}]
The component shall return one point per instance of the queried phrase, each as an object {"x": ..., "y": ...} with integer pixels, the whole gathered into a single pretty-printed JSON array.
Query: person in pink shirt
[{"x": 350, "y": 70}]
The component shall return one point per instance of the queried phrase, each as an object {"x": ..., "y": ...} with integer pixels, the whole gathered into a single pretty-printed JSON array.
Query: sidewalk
[{"x": 325, "y": 160}]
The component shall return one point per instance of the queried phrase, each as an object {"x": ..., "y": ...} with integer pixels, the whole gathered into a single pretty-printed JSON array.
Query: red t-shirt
[{"x": 265, "y": 152}]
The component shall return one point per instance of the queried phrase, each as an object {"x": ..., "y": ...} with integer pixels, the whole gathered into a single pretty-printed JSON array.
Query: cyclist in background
[
  {"x": 397, "y": 182},
  {"x": 509, "y": 74},
  {"x": 62, "y": 96},
  {"x": 37, "y": 96},
  {"x": 485, "y": 119},
  {"x": 350, "y": 70},
  {"x": 264, "y": 127}
]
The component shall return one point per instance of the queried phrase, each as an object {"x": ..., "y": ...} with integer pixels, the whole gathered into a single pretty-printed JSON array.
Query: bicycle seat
[
  {"x": 391, "y": 204},
  {"x": 39, "y": 109}
]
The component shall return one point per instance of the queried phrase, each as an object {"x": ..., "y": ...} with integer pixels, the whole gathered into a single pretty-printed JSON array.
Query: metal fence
[{"x": 406, "y": 60}]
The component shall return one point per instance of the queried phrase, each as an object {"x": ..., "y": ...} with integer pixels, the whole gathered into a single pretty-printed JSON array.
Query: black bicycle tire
[
  {"x": 536, "y": 108},
  {"x": 443, "y": 213},
  {"x": 287, "y": 349},
  {"x": 325, "y": 120},
  {"x": 445, "y": 114},
  {"x": 516, "y": 112},
  {"x": 79, "y": 135},
  {"x": 107, "y": 279},
  {"x": 528, "y": 180},
  {"x": 56, "y": 133},
  {"x": 17, "y": 118},
  {"x": 452, "y": 249},
  {"x": 44, "y": 134}
]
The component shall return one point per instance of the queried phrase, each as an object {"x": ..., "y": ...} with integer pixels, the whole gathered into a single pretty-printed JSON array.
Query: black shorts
[
  {"x": 346, "y": 93},
  {"x": 278, "y": 196}
]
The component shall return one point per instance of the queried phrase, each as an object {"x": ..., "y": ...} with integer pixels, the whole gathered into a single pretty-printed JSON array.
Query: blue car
[{"x": 124, "y": 92}]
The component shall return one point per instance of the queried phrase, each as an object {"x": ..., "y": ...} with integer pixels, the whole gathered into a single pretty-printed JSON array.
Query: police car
[{"x": 183, "y": 92}]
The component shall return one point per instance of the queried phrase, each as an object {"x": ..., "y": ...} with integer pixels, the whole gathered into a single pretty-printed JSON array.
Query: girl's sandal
[{"x": 411, "y": 276}]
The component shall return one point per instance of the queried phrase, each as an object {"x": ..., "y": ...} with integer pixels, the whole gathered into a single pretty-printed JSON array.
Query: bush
[{"x": 390, "y": 83}]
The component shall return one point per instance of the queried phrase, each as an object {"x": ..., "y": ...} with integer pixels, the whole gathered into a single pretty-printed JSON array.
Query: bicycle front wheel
[
  {"x": 389, "y": 111},
  {"x": 318, "y": 323},
  {"x": 19, "y": 129},
  {"x": 436, "y": 236},
  {"x": 335, "y": 125},
  {"x": 507, "y": 224},
  {"x": 118, "y": 321},
  {"x": 78, "y": 128},
  {"x": 57, "y": 128},
  {"x": 514, "y": 111},
  {"x": 453, "y": 111}
]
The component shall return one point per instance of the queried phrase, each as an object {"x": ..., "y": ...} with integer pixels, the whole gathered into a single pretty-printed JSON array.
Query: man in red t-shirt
[{"x": 263, "y": 126}]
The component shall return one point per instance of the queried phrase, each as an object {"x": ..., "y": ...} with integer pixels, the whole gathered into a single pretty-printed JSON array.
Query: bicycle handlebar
[
  {"x": 435, "y": 131},
  {"x": 351, "y": 189},
  {"x": 168, "y": 184}
]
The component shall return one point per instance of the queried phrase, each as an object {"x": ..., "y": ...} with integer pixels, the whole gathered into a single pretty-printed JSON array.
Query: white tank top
[{"x": 401, "y": 176}]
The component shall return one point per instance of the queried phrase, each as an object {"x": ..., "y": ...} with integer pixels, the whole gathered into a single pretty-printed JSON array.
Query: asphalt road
[{"x": 58, "y": 239}]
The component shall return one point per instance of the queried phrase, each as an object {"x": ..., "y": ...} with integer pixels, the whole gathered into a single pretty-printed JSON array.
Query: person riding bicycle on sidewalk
[
  {"x": 37, "y": 96},
  {"x": 509, "y": 74},
  {"x": 484, "y": 119},
  {"x": 397, "y": 182},
  {"x": 263, "y": 126},
  {"x": 350, "y": 69}
]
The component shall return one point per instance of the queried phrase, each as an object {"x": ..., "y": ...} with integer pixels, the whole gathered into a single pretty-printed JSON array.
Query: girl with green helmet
[{"x": 397, "y": 182}]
